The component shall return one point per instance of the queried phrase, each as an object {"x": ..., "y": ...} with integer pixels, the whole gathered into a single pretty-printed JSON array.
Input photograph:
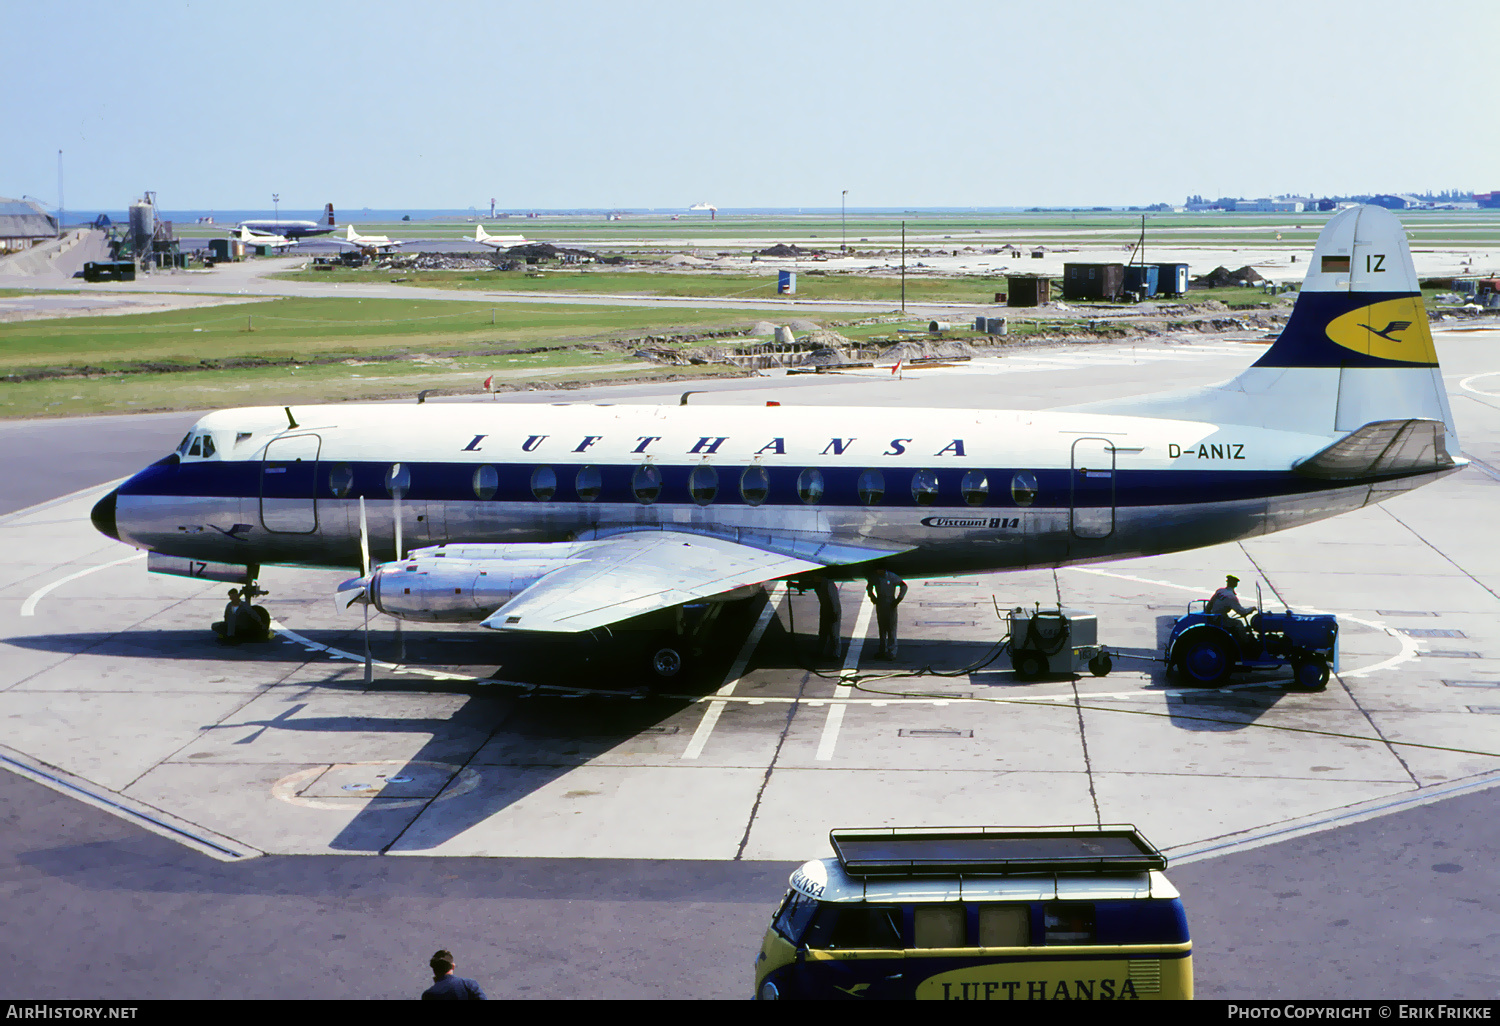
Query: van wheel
[
  {"x": 667, "y": 663},
  {"x": 1206, "y": 663}
]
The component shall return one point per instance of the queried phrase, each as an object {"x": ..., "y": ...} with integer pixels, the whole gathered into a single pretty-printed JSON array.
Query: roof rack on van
[{"x": 985, "y": 851}]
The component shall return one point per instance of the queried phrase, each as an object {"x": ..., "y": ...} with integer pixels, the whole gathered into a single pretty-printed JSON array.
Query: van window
[
  {"x": 796, "y": 912},
  {"x": 846, "y": 927},
  {"x": 1069, "y": 922},
  {"x": 939, "y": 926},
  {"x": 1004, "y": 926}
]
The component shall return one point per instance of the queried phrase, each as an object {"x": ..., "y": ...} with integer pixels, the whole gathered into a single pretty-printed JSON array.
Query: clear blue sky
[{"x": 218, "y": 104}]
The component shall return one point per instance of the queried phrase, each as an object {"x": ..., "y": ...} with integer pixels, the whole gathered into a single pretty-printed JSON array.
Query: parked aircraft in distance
[
  {"x": 294, "y": 229},
  {"x": 254, "y": 238},
  {"x": 380, "y": 242},
  {"x": 484, "y": 238},
  {"x": 567, "y": 518}
]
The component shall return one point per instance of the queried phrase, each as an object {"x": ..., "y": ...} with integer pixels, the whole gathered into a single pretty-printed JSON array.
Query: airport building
[{"x": 23, "y": 224}]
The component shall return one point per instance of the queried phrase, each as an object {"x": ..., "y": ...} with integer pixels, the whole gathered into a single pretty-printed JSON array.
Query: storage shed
[
  {"x": 1093, "y": 281},
  {"x": 1172, "y": 279},
  {"x": 1027, "y": 290}
]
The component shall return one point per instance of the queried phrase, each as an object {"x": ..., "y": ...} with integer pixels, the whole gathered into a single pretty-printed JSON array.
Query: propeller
[{"x": 364, "y": 569}]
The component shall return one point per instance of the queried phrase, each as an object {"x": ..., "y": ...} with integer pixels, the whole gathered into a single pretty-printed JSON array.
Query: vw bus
[{"x": 980, "y": 913}]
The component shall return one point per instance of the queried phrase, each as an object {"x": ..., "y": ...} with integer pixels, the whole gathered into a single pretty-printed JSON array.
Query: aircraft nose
[{"x": 103, "y": 515}]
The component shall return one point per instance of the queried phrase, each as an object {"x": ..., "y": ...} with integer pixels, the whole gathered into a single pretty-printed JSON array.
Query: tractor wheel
[
  {"x": 1309, "y": 674},
  {"x": 1206, "y": 662}
]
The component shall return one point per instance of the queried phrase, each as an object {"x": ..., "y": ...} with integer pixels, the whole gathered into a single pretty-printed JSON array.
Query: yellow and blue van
[{"x": 980, "y": 913}]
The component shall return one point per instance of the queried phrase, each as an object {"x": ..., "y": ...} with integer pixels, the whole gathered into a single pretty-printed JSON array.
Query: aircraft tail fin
[
  {"x": 328, "y": 215},
  {"x": 349, "y": 232},
  {"x": 1356, "y": 350},
  {"x": 480, "y": 234}
]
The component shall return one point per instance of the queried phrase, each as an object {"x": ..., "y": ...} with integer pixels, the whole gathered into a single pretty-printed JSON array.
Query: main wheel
[
  {"x": 1309, "y": 674},
  {"x": 667, "y": 663},
  {"x": 1206, "y": 662},
  {"x": 1029, "y": 665},
  {"x": 260, "y": 619}
]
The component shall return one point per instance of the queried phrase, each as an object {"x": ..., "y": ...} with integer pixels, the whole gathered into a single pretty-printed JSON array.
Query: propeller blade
[{"x": 364, "y": 541}]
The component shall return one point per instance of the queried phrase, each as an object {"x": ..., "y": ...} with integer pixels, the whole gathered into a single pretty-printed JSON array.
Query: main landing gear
[{"x": 243, "y": 620}]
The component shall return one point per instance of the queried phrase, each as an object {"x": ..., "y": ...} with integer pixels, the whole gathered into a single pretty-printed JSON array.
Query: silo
[{"x": 142, "y": 226}]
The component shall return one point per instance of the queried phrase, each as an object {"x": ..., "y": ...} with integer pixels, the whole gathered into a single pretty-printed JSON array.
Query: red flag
[
  {"x": 487, "y": 382},
  {"x": 897, "y": 368}
]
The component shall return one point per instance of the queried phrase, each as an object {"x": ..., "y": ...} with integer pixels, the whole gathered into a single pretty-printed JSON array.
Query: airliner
[
  {"x": 353, "y": 238},
  {"x": 293, "y": 229},
  {"x": 570, "y": 518},
  {"x": 254, "y": 238},
  {"x": 484, "y": 238}
]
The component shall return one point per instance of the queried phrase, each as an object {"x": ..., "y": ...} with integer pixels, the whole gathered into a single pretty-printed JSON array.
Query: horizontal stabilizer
[{"x": 1384, "y": 448}]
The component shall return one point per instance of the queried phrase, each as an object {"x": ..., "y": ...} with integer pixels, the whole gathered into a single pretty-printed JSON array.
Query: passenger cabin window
[
  {"x": 924, "y": 487},
  {"x": 340, "y": 480},
  {"x": 397, "y": 481},
  {"x": 703, "y": 484},
  {"x": 1023, "y": 488},
  {"x": 871, "y": 487},
  {"x": 646, "y": 484},
  {"x": 939, "y": 926},
  {"x": 810, "y": 486},
  {"x": 846, "y": 927},
  {"x": 486, "y": 482},
  {"x": 588, "y": 484},
  {"x": 544, "y": 484},
  {"x": 1070, "y": 922},
  {"x": 755, "y": 485},
  {"x": 1004, "y": 926},
  {"x": 975, "y": 487}
]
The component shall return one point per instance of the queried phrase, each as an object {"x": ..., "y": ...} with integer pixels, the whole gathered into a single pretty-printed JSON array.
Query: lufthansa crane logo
[
  {"x": 1387, "y": 331},
  {"x": 1406, "y": 338}
]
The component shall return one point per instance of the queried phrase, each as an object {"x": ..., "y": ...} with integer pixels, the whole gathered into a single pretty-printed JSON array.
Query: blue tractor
[{"x": 1205, "y": 649}]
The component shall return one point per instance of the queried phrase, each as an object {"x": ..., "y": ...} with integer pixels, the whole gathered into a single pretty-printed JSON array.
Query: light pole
[
  {"x": 59, "y": 195},
  {"x": 276, "y": 199},
  {"x": 843, "y": 223}
]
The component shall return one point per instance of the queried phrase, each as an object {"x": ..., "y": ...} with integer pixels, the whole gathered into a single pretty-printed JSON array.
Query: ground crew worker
[
  {"x": 228, "y": 629},
  {"x": 448, "y": 987},
  {"x": 886, "y": 590},
  {"x": 830, "y": 615}
]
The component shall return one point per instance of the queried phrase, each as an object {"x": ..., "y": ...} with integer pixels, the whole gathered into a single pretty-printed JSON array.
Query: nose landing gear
[{"x": 243, "y": 620}]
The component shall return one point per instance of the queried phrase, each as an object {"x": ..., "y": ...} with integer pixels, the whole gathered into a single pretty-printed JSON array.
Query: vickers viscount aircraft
[
  {"x": 484, "y": 238},
  {"x": 254, "y": 238},
  {"x": 567, "y": 518}
]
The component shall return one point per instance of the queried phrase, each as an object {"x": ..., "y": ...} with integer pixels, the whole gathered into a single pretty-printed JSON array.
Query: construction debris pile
[
  {"x": 442, "y": 262},
  {"x": 1223, "y": 277}
]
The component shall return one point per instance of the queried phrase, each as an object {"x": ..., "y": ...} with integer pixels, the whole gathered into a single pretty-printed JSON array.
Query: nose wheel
[{"x": 243, "y": 619}]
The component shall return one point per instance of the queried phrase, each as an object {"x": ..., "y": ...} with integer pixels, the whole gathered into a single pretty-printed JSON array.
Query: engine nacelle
[{"x": 447, "y": 590}]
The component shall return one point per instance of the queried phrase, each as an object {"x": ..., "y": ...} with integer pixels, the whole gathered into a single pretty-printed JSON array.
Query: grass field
[{"x": 309, "y": 349}]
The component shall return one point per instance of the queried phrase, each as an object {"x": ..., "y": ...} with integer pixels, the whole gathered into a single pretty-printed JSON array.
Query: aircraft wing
[{"x": 641, "y": 572}]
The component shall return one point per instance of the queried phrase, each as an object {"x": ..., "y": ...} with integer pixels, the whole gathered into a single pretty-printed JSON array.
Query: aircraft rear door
[
  {"x": 288, "y": 485},
  {"x": 1093, "y": 491}
]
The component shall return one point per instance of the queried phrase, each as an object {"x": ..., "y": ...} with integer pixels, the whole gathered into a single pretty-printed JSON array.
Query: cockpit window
[
  {"x": 197, "y": 449},
  {"x": 208, "y": 445},
  {"x": 182, "y": 447}
]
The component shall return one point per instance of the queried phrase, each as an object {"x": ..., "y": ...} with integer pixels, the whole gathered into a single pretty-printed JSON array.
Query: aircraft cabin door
[
  {"x": 1093, "y": 491},
  {"x": 288, "y": 485}
]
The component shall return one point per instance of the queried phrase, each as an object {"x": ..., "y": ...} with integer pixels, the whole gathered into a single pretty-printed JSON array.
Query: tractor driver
[{"x": 1224, "y": 602}]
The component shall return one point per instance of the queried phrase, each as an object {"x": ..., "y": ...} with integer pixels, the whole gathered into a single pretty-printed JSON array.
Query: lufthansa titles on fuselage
[{"x": 708, "y": 445}]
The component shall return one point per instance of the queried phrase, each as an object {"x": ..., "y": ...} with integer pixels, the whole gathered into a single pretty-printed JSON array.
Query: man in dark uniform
[
  {"x": 448, "y": 987},
  {"x": 830, "y": 615},
  {"x": 886, "y": 590},
  {"x": 229, "y": 628},
  {"x": 1225, "y": 601}
]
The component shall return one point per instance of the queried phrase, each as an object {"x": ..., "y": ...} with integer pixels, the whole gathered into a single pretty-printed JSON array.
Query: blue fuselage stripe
[{"x": 455, "y": 482}]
